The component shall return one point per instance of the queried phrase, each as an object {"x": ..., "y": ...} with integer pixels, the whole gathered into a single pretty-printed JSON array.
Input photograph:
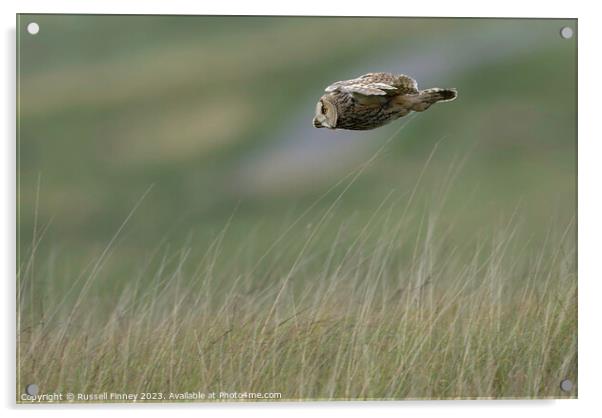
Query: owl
[{"x": 373, "y": 100}]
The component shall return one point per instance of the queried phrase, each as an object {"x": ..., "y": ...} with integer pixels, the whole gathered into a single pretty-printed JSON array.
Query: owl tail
[{"x": 428, "y": 97}]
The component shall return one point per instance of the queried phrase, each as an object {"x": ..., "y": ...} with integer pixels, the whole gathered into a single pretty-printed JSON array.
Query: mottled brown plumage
[{"x": 373, "y": 100}]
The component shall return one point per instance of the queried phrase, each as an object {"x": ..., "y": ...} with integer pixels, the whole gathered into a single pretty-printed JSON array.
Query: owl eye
[{"x": 323, "y": 109}]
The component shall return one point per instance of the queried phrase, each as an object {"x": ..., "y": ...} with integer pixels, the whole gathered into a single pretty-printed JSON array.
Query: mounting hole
[
  {"x": 32, "y": 389},
  {"x": 33, "y": 28},
  {"x": 566, "y": 385},
  {"x": 566, "y": 32}
]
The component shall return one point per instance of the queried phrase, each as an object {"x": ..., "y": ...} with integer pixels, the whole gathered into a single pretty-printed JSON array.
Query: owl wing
[
  {"x": 403, "y": 84},
  {"x": 376, "y": 84}
]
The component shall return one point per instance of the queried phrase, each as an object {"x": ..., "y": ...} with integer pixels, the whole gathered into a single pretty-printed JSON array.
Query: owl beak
[{"x": 321, "y": 123}]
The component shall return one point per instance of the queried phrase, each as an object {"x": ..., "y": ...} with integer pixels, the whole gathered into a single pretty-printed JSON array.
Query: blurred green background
[{"x": 215, "y": 114}]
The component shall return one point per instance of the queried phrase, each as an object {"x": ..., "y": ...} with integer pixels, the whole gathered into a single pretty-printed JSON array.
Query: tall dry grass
[
  {"x": 365, "y": 324},
  {"x": 395, "y": 309}
]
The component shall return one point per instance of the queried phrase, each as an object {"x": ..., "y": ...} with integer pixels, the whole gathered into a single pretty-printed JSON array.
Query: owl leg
[{"x": 429, "y": 97}]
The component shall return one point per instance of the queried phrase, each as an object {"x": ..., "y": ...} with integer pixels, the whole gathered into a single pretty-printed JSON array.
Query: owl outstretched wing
[{"x": 376, "y": 84}]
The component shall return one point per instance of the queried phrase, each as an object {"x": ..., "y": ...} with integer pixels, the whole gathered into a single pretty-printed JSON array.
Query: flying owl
[{"x": 373, "y": 100}]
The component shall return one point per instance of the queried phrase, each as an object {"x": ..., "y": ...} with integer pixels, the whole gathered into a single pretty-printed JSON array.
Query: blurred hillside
[{"x": 215, "y": 114}]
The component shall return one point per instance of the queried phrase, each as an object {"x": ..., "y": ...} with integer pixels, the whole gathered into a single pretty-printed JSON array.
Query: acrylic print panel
[{"x": 222, "y": 209}]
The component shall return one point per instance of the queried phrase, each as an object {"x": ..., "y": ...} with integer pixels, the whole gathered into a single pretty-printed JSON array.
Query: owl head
[{"x": 326, "y": 114}]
